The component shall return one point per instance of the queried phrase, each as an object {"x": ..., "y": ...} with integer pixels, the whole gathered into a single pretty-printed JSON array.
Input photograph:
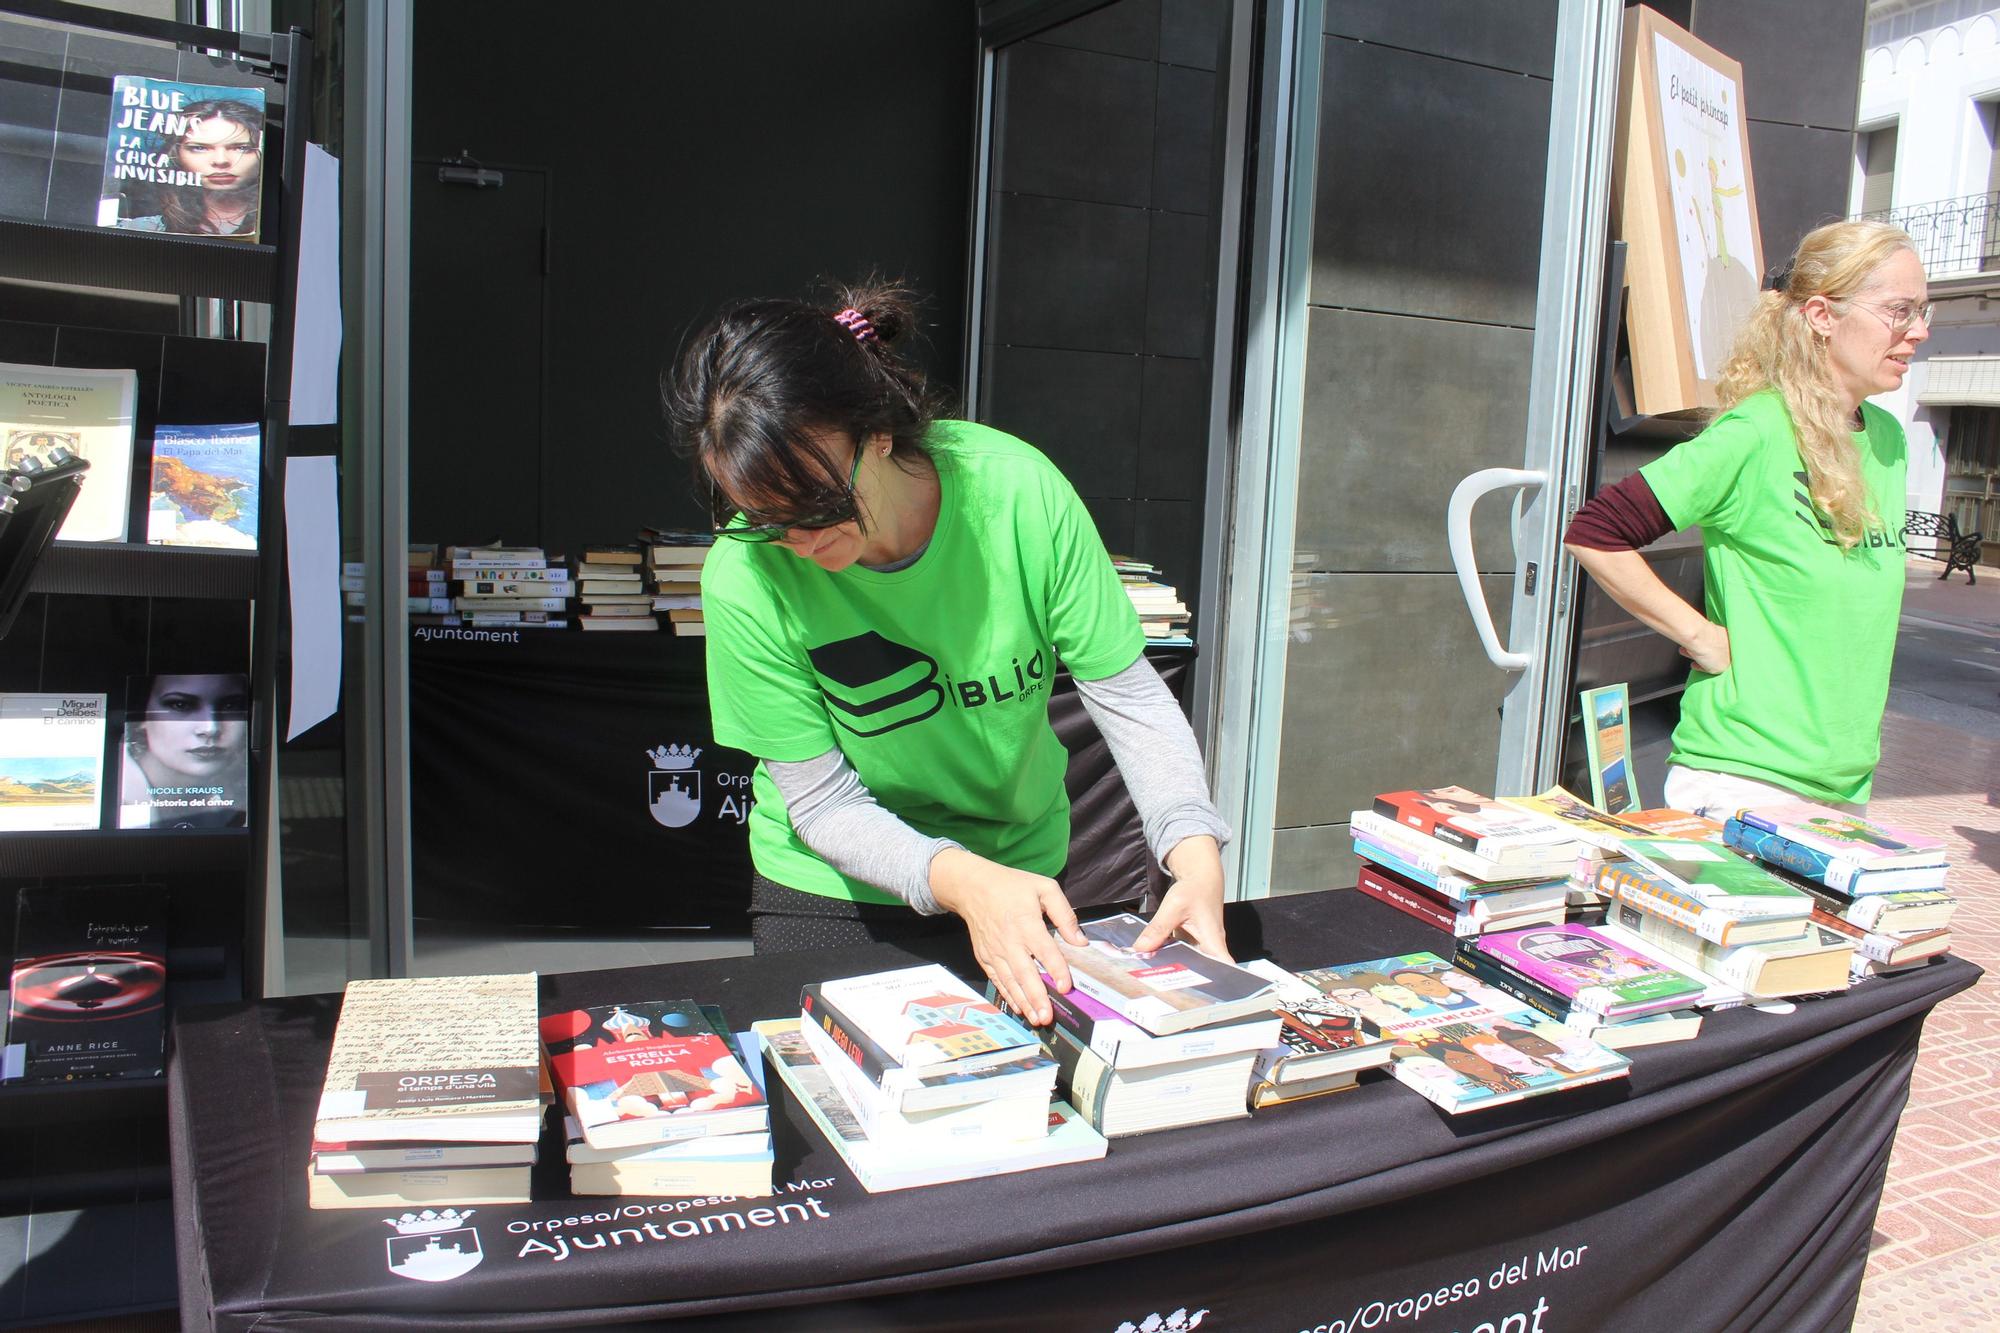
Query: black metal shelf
[
  {"x": 137, "y": 260},
  {"x": 122, "y": 851},
  {"x": 84, "y": 1100},
  {"x": 135, "y": 569}
]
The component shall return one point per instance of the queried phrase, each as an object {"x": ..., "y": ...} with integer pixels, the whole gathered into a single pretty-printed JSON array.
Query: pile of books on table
[
  {"x": 1594, "y": 983},
  {"x": 434, "y": 1094},
  {"x": 511, "y": 587},
  {"x": 1464, "y": 862},
  {"x": 658, "y": 1101},
  {"x": 613, "y": 590},
  {"x": 1881, "y": 889},
  {"x": 1158, "y": 1040},
  {"x": 674, "y": 559},
  {"x": 915, "y": 1079},
  {"x": 1162, "y": 614}
]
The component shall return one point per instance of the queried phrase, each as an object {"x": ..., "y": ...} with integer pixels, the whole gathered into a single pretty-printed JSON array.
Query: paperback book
[
  {"x": 204, "y": 490},
  {"x": 51, "y": 761},
  {"x": 1020, "y": 1115},
  {"x": 1592, "y": 973},
  {"x": 900, "y": 1025},
  {"x": 88, "y": 413},
  {"x": 1317, "y": 1036},
  {"x": 1717, "y": 878},
  {"x": 183, "y": 158},
  {"x": 1125, "y": 1045},
  {"x": 1480, "y": 825},
  {"x": 650, "y": 1071},
  {"x": 1171, "y": 989},
  {"x": 87, "y": 999},
  {"x": 1854, "y": 868},
  {"x": 1814, "y": 963},
  {"x": 185, "y": 758}
]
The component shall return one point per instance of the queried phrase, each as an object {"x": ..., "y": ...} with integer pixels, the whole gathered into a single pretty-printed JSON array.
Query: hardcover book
[
  {"x": 454, "y": 1059},
  {"x": 1847, "y": 839},
  {"x": 51, "y": 760},
  {"x": 204, "y": 490},
  {"x": 1172, "y": 989},
  {"x": 650, "y": 1071},
  {"x": 185, "y": 759},
  {"x": 1462, "y": 1044},
  {"x": 89, "y": 413},
  {"x": 1480, "y": 825},
  {"x": 1588, "y": 970},
  {"x": 183, "y": 158},
  {"x": 885, "y": 1166},
  {"x": 87, "y": 998}
]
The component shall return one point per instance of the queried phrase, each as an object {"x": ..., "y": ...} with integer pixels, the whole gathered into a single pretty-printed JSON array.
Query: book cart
[{"x": 85, "y": 1174}]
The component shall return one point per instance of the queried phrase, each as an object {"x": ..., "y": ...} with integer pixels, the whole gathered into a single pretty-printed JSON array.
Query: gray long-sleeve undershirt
[{"x": 839, "y": 819}]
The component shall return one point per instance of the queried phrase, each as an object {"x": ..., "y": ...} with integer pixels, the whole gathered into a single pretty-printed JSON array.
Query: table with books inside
[{"x": 1549, "y": 1068}]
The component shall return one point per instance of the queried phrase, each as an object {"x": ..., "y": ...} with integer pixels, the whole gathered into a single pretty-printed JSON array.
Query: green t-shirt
[
  {"x": 1812, "y": 627},
  {"x": 933, "y": 679}
]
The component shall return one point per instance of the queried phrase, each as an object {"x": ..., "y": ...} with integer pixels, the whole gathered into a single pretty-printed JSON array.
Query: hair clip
[
  {"x": 855, "y": 323},
  {"x": 1779, "y": 279}
]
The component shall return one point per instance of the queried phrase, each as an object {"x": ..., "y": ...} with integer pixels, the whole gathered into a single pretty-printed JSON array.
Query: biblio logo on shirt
[
  {"x": 431, "y": 1246},
  {"x": 875, "y": 685},
  {"x": 673, "y": 788},
  {"x": 1808, "y": 513}
]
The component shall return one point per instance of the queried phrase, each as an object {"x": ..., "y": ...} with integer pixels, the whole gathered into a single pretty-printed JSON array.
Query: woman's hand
[
  {"x": 1193, "y": 905},
  {"x": 1708, "y": 649},
  {"x": 1006, "y": 912}
]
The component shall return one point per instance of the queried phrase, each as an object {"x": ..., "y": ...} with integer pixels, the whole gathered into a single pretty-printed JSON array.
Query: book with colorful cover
[
  {"x": 1435, "y": 857},
  {"x": 650, "y": 1071},
  {"x": 1588, "y": 970},
  {"x": 1480, "y": 825},
  {"x": 1435, "y": 873},
  {"x": 1317, "y": 1037},
  {"x": 51, "y": 761},
  {"x": 183, "y": 158},
  {"x": 1171, "y": 989},
  {"x": 1599, "y": 832},
  {"x": 87, "y": 998},
  {"x": 1631, "y": 882},
  {"x": 1718, "y": 878},
  {"x": 1486, "y": 912},
  {"x": 884, "y": 1166},
  {"x": 1825, "y": 869},
  {"x": 1462, "y": 1044},
  {"x": 1125, "y": 1045},
  {"x": 90, "y": 414},
  {"x": 899, "y": 1023},
  {"x": 1848, "y": 839},
  {"x": 204, "y": 489}
]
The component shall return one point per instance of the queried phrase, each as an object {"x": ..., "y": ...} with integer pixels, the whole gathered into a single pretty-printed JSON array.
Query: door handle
[{"x": 1458, "y": 535}]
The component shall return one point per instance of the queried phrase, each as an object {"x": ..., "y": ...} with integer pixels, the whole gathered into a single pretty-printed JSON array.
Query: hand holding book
[{"x": 1004, "y": 911}]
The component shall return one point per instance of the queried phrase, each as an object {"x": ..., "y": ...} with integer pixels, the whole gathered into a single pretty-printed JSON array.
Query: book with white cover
[
  {"x": 90, "y": 414},
  {"x": 1170, "y": 989},
  {"x": 1018, "y": 1116},
  {"x": 51, "y": 761}
]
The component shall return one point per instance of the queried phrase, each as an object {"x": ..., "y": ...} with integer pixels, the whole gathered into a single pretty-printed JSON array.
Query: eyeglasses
[
  {"x": 1901, "y": 314},
  {"x": 728, "y": 521}
]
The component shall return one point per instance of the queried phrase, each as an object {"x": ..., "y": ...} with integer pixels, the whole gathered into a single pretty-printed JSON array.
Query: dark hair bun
[{"x": 889, "y": 307}]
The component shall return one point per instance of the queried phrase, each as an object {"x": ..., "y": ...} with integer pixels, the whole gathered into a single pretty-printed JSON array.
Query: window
[{"x": 1877, "y": 154}]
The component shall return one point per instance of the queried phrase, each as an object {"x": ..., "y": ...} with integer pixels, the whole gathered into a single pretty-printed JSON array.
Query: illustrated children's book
[
  {"x": 649, "y": 1071},
  {"x": 204, "y": 490}
]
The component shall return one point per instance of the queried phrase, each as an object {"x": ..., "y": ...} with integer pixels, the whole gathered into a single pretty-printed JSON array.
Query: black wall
[{"x": 684, "y": 155}]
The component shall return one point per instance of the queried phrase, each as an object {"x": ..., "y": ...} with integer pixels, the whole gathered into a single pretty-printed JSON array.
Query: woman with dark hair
[
  {"x": 221, "y": 145},
  {"x": 886, "y": 606},
  {"x": 1797, "y": 487}
]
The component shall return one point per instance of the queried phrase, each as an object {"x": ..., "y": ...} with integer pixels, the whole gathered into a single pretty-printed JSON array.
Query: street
[{"x": 1948, "y": 654}]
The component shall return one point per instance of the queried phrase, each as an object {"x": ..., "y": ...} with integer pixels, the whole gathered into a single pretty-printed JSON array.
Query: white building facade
[{"x": 1927, "y": 157}]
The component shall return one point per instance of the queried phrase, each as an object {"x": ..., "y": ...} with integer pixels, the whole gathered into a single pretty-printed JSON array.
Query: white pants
[{"x": 1719, "y": 796}]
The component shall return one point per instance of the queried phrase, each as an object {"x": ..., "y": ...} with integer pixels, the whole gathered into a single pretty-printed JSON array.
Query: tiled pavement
[{"x": 1935, "y": 1261}]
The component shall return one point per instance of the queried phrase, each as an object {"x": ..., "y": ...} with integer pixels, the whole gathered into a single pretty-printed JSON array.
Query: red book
[
  {"x": 650, "y": 1072},
  {"x": 1404, "y": 896},
  {"x": 1480, "y": 825}
]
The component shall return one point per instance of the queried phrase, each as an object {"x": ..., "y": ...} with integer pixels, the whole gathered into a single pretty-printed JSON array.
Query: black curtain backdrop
[{"x": 1730, "y": 1184}]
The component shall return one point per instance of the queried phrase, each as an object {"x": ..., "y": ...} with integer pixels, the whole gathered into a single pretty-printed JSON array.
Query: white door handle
[{"x": 1458, "y": 534}]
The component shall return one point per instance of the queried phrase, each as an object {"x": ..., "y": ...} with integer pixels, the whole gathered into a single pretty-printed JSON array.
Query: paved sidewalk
[{"x": 1935, "y": 1261}]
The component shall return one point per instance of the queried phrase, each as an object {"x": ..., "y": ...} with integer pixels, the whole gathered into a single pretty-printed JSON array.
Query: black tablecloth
[
  {"x": 1731, "y": 1183},
  {"x": 533, "y": 752}
]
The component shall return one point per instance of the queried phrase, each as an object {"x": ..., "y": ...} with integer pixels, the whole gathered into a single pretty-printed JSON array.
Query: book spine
[
  {"x": 514, "y": 587},
  {"x": 474, "y": 573},
  {"x": 1654, "y": 899},
  {"x": 868, "y": 1056},
  {"x": 1803, "y": 861},
  {"x": 507, "y": 604},
  {"x": 431, "y": 605},
  {"x": 1737, "y": 968},
  {"x": 1501, "y": 978},
  {"x": 1085, "y": 1074},
  {"x": 1385, "y": 890}
]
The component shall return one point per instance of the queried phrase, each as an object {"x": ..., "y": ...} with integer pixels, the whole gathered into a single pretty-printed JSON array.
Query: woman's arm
[
  {"x": 1605, "y": 535},
  {"x": 1156, "y": 754}
]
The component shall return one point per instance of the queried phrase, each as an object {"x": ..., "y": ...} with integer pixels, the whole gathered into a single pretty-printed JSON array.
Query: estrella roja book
[{"x": 649, "y": 1071}]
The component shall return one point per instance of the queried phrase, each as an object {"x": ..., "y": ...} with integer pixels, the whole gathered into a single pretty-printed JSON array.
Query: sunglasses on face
[{"x": 727, "y": 520}]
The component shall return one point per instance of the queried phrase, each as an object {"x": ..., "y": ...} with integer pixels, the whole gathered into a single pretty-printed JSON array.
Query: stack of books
[
  {"x": 1322, "y": 1046},
  {"x": 673, "y": 561},
  {"x": 434, "y": 1094},
  {"x": 1717, "y": 915},
  {"x": 1464, "y": 862},
  {"x": 1162, "y": 613},
  {"x": 657, "y": 1101},
  {"x": 1155, "y": 1041},
  {"x": 612, "y": 588},
  {"x": 1458, "y": 1042},
  {"x": 1880, "y": 888},
  {"x": 511, "y": 587},
  {"x": 918, "y": 1079},
  {"x": 1588, "y": 980}
]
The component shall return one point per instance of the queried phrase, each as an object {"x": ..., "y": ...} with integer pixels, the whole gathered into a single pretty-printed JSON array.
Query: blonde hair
[{"x": 1778, "y": 349}]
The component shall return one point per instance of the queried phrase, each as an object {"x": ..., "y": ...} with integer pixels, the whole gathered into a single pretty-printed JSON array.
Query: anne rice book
[
  {"x": 51, "y": 761},
  {"x": 885, "y": 1166},
  {"x": 1480, "y": 824},
  {"x": 648, "y": 1071},
  {"x": 89, "y": 413},
  {"x": 87, "y": 998},
  {"x": 204, "y": 490},
  {"x": 1589, "y": 970},
  {"x": 1462, "y": 1044},
  {"x": 453, "y": 1059},
  {"x": 1172, "y": 989},
  {"x": 1719, "y": 878},
  {"x": 1850, "y": 839}
]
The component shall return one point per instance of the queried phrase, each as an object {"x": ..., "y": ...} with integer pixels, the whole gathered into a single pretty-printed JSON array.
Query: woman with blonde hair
[{"x": 1797, "y": 486}]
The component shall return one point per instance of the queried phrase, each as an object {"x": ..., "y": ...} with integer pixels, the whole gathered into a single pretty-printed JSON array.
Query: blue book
[
  {"x": 1841, "y": 875},
  {"x": 204, "y": 490}
]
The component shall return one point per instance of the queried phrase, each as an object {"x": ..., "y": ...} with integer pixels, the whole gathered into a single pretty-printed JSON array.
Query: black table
[
  {"x": 1731, "y": 1184},
  {"x": 534, "y": 751}
]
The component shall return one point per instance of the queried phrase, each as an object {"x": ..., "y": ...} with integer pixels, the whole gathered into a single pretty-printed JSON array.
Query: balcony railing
[{"x": 1953, "y": 236}]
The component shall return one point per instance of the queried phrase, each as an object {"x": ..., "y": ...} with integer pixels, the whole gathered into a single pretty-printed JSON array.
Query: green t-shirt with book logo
[
  {"x": 1812, "y": 626},
  {"x": 933, "y": 679}
]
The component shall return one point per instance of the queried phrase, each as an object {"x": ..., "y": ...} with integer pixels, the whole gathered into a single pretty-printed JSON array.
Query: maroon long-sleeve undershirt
[{"x": 1624, "y": 517}]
